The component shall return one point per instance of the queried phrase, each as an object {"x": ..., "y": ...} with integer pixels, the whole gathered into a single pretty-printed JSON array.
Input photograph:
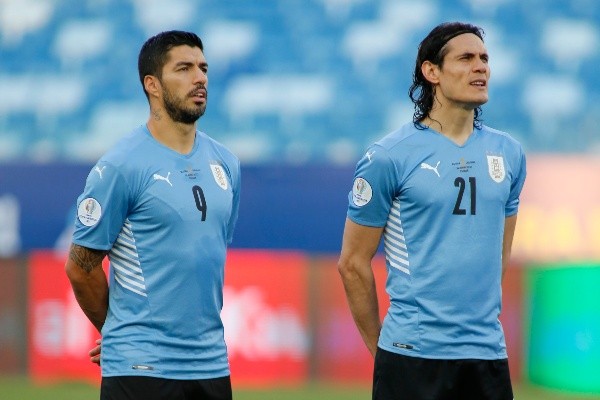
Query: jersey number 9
[{"x": 200, "y": 200}]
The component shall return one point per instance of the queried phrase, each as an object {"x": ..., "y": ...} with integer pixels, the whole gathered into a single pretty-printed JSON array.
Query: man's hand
[{"x": 95, "y": 352}]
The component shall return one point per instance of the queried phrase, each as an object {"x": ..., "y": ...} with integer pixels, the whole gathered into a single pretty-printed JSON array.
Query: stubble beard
[{"x": 178, "y": 112}]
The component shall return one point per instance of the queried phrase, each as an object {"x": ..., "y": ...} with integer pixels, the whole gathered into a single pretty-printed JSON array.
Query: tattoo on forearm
[{"x": 86, "y": 258}]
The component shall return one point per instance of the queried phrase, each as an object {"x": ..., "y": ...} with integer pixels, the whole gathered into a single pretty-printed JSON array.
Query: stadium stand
[{"x": 292, "y": 81}]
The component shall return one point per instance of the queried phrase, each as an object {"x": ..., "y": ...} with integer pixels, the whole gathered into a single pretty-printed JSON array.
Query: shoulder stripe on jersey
[
  {"x": 125, "y": 262},
  {"x": 391, "y": 246},
  {"x": 125, "y": 244},
  {"x": 123, "y": 259},
  {"x": 120, "y": 281},
  {"x": 396, "y": 239},
  {"x": 396, "y": 252}
]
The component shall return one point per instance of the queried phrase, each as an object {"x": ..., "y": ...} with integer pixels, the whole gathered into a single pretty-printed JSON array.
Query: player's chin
[
  {"x": 200, "y": 106},
  {"x": 198, "y": 109},
  {"x": 478, "y": 101},
  {"x": 482, "y": 97},
  {"x": 482, "y": 102}
]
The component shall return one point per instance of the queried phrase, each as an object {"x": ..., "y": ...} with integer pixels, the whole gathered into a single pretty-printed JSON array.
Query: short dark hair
[
  {"x": 153, "y": 54},
  {"x": 433, "y": 48}
]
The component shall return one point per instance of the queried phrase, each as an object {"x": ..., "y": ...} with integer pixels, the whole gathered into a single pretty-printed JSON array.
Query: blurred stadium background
[{"x": 298, "y": 89}]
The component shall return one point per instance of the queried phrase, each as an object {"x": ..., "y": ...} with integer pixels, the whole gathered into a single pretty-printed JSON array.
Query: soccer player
[
  {"x": 443, "y": 191},
  {"x": 162, "y": 205}
]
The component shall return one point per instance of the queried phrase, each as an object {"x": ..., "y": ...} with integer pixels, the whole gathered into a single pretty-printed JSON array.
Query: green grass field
[{"x": 19, "y": 388}]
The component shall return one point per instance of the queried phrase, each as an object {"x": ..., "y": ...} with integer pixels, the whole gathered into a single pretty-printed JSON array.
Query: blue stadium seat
[{"x": 291, "y": 81}]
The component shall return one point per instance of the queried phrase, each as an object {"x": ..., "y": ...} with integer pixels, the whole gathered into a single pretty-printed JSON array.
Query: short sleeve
[
  {"x": 235, "y": 203},
  {"x": 373, "y": 189},
  {"x": 512, "y": 205},
  {"x": 102, "y": 208}
]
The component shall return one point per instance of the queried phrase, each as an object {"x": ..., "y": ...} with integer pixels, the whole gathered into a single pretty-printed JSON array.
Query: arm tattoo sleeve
[{"x": 86, "y": 258}]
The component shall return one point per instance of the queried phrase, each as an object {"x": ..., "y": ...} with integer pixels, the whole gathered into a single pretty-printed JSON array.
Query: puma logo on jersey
[
  {"x": 158, "y": 177},
  {"x": 369, "y": 155},
  {"x": 99, "y": 170},
  {"x": 434, "y": 169}
]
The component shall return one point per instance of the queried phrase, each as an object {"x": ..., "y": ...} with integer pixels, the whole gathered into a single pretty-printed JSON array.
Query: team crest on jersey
[
  {"x": 496, "y": 168},
  {"x": 361, "y": 192},
  {"x": 89, "y": 211},
  {"x": 219, "y": 175}
]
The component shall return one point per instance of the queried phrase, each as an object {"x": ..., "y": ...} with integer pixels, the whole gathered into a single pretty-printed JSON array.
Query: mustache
[{"x": 201, "y": 89}]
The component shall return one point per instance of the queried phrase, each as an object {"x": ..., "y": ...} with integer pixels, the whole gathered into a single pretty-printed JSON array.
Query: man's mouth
[{"x": 198, "y": 95}]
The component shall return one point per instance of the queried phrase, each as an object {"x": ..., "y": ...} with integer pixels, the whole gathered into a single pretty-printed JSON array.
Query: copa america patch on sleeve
[
  {"x": 361, "y": 192},
  {"x": 89, "y": 211}
]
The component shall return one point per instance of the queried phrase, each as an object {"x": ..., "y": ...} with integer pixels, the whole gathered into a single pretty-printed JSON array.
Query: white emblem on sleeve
[
  {"x": 219, "y": 175},
  {"x": 496, "y": 168},
  {"x": 89, "y": 211},
  {"x": 99, "y": 170},
  {"x": 361, "y": 192}
]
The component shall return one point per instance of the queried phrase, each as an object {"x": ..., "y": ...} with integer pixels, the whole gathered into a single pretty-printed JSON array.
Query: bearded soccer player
[{"x": 162, "y": 204}]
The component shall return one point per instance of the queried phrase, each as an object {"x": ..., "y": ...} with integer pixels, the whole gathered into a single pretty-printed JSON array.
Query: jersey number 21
[{"x": 461, "y": 184}]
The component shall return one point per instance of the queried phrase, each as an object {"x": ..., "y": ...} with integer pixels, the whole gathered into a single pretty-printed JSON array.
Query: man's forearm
[
  {"x": 362, "y": 300},
  {"x": 84, "y": 270},
  {"x": 510, "y": 224}
]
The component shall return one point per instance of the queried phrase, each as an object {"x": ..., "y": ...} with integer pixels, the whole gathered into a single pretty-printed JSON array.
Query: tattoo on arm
[{"x": 86, "y": 258}]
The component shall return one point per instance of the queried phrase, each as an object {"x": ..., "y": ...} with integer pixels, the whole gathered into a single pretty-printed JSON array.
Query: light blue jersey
[
  {"x": 443, "y": 207},
  {"x": 167, "y": 219}
]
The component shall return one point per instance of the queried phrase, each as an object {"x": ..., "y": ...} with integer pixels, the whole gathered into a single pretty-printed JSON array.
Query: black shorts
[
  {"x": 150, "y": 388},
  {"x": 398, "y": 377}
]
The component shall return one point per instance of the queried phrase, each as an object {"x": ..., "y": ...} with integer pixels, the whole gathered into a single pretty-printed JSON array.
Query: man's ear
[
  {"x": 431, "y": 72},
  {"x": 152, "y": 85}
]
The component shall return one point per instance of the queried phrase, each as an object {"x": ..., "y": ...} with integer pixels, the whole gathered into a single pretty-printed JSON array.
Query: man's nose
[
  {"x": 201, "y": 77},
  {"x": 480, "y": 65}
]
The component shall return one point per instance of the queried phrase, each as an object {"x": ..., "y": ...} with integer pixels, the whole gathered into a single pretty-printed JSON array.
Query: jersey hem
[
  {"x": 155, "y": 374},
  {"x": 365, "y": 223},
  {"x": 409, "y": 353},
  {"x": 92, "y": 246}
]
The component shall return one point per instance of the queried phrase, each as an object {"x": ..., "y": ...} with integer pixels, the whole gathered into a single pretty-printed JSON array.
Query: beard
[{"x": 177, "y": 110}]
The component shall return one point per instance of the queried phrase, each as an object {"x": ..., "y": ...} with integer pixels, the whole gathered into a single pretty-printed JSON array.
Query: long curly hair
[{"x": 433, "y": 48}]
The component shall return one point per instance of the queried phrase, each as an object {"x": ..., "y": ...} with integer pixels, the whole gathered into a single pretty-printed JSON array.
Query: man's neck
[
  {"x": 174, "y": 135},
  {"x": 455, "y": 124}
]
